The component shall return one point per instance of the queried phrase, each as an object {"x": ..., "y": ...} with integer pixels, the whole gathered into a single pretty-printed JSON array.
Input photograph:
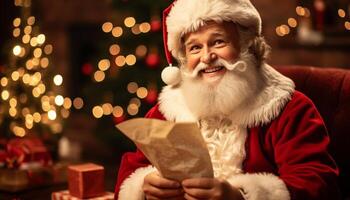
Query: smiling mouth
[{"x": 212, "y": 69}]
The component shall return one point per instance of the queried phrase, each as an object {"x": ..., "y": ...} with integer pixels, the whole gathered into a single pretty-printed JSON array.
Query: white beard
[{"x": 238, "y": 87}]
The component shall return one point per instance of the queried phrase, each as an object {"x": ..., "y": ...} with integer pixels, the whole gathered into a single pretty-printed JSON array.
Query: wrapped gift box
[
  {"x": 14, "y": 180},
  {"x": 64, "y": 195},
  {"x": 86, "y": 180}
]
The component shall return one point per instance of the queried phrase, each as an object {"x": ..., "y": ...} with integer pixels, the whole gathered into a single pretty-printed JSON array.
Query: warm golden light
[
  {"x": 35, "y": 62},
  {"x": 284, "y": 29},
  {"x": 4, "y": 81},
  {"x": 292, "y": 22},
  {"x": 130, "y": 60},
  {"x": 13, "y": 102},
  {"x": 12, "y": 112},
  {"x": 141, "y": 51},
  {"x": 48, "y": 49},
  {"x": 136, "y": 29},
  {"x": 117, "y": 31},
  {"x": 129, "y": 22},
  {"x": 120, "y": 61},
  {"x": 97, "y": 111},
  {"x": 99, "y": 76},
  {"x": 67, "y": 104},
  {"x": 31, "y": 20},
  {"x": 26, "y": 78},
  {"x": 104, "y": 64},
  {"x": 341, "y": 13},
  {"x": 41, "y": 39},
  {"x": 18, "y": 131},
  {"x": 132, "y": 87},
  {"x": 65, "y": 113},
  {"x": 29, "y": 64},
  {"x": 26, "y": 39},
  {"x": 36, "y": 92},
  {"x": 25, "y": 111},
  {"x": 133, "y": 109},
  {"x": 107, "y": 27},
  {"x": 59, "y": 100},
  {"x": 28, "y": 30},
  {"x": 33, "y": 41},
  {"x": 347, "y": 25},
  {"x": 44, "y": 62},
  {"x": 16, "y": 32},
  {"x": 107, "y": 108},
  {"x": 114, "y": 49},
  {"x": 29, "y": 118},
  {"x": 16, "y": 50},
  {"x": 52, "y": 115},
  {"x": 16, "y": 22},
  {"x": 278, "y": 31},
  {"x": 142, "y": 92},
  {"x": 37, "y": 117},
  {"x": 15, "y": 76},
  {"x": 37, "y": 52},
  {"x": 78, "y": 103},
  {"x": 58, "y": 80},
  {"x": 5, "y": 95},
  {"x": 135, "y": 101},
  {"x": 145, "y": 27},
  {"x": 300, "y": 11},
  {"x": 118, "y": 111},
  {"x": 45, "y": 106}
]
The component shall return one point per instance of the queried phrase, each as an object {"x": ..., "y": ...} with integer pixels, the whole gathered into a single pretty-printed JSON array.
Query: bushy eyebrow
[{"x": 214, "y": 34}]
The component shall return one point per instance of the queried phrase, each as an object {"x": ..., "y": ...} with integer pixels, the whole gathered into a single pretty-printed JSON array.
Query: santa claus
[{"x": 266, "y": 140}]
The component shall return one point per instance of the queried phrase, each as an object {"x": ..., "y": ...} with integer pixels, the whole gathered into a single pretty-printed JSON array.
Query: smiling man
[{"x": 265, "y": 139}]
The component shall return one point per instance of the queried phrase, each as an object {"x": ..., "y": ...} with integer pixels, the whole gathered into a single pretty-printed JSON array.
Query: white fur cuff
[
  {"x": 262, "y": 186},
  {"x": 131, "y": 188}
]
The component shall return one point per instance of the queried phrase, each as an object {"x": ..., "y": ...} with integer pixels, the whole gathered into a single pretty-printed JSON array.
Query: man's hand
[
  {"x": 156, "y": 187},
  {"x": 210, "y": 188}
]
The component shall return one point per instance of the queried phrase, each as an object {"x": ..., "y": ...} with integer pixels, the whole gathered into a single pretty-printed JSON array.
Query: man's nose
[{"x": 208, "y": 57}]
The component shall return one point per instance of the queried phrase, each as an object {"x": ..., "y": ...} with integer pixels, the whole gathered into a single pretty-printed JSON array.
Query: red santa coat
[{"x": 286, "y": 157}]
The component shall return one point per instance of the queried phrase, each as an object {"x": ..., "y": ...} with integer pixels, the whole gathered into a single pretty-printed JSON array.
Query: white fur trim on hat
[
  {"x": 261, "y": 186},
  {"x": 188, "y": 15},
  {"x": 131, "y": 188}
]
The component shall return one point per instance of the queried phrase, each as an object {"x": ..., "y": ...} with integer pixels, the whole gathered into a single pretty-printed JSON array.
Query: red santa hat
[{"x": 185, "y": 16}]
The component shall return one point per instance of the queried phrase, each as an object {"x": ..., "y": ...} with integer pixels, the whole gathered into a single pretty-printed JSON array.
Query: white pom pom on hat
[{"x": 184, "y": 16}]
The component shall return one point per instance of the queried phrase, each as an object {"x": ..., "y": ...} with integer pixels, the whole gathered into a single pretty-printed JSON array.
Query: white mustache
[{"x": 240, "y": 66}]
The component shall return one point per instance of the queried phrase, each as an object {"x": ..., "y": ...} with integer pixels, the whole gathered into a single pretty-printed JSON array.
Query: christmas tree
[
  {"x": 31, "y": 92},
  {"x": 126, "y": 77}
]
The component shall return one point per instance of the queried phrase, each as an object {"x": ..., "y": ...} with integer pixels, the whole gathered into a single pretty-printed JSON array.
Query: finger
[
  {"x": 189, "y": 197},
  {"x": 150, "y": 197},
  {"x": 198, "y": 193},
  {"x": 160, "y": 182},
  {"x": 205, "y": 183},
  {"x": 162, "y": 193}
]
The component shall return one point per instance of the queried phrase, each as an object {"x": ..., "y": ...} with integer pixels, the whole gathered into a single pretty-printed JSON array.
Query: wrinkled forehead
[{"x": 220, "y": 28}]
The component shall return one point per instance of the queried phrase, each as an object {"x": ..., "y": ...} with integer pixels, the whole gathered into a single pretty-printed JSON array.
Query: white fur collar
[{"x": 269, "y": 101}]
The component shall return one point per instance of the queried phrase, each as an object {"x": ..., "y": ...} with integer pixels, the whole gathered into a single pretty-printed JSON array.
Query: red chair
[{"x": 329, "y": 89}]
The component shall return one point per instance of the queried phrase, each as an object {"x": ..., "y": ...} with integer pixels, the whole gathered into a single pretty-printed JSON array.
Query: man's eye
[
  {"x": 218, "y": 42},
  {"x": 194, "y": 48}
]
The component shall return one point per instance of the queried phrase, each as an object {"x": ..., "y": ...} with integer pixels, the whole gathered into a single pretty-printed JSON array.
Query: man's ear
[{"x": 260, "y": 49}]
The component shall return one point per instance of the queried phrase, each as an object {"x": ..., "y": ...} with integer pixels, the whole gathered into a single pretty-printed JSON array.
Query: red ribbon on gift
[{"x": 25, "y": 150}]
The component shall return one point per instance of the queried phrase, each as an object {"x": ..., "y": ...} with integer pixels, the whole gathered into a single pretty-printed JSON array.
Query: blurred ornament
[
  {"x": 118, "y": 120},
  {"x": 156, "y": 25},
  {"x": 87, "y": 69},
  {"x": 152, "y": 60},
  {"x": 152, "y": 96}
]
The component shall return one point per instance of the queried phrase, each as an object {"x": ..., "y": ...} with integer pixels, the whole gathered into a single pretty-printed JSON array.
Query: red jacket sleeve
[
  {"x": 300, "y": 146},
  {"x": 133, "y": 160}
]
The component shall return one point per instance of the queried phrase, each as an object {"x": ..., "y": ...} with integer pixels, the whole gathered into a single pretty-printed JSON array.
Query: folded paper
[{"x": 177, "y": 150}]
